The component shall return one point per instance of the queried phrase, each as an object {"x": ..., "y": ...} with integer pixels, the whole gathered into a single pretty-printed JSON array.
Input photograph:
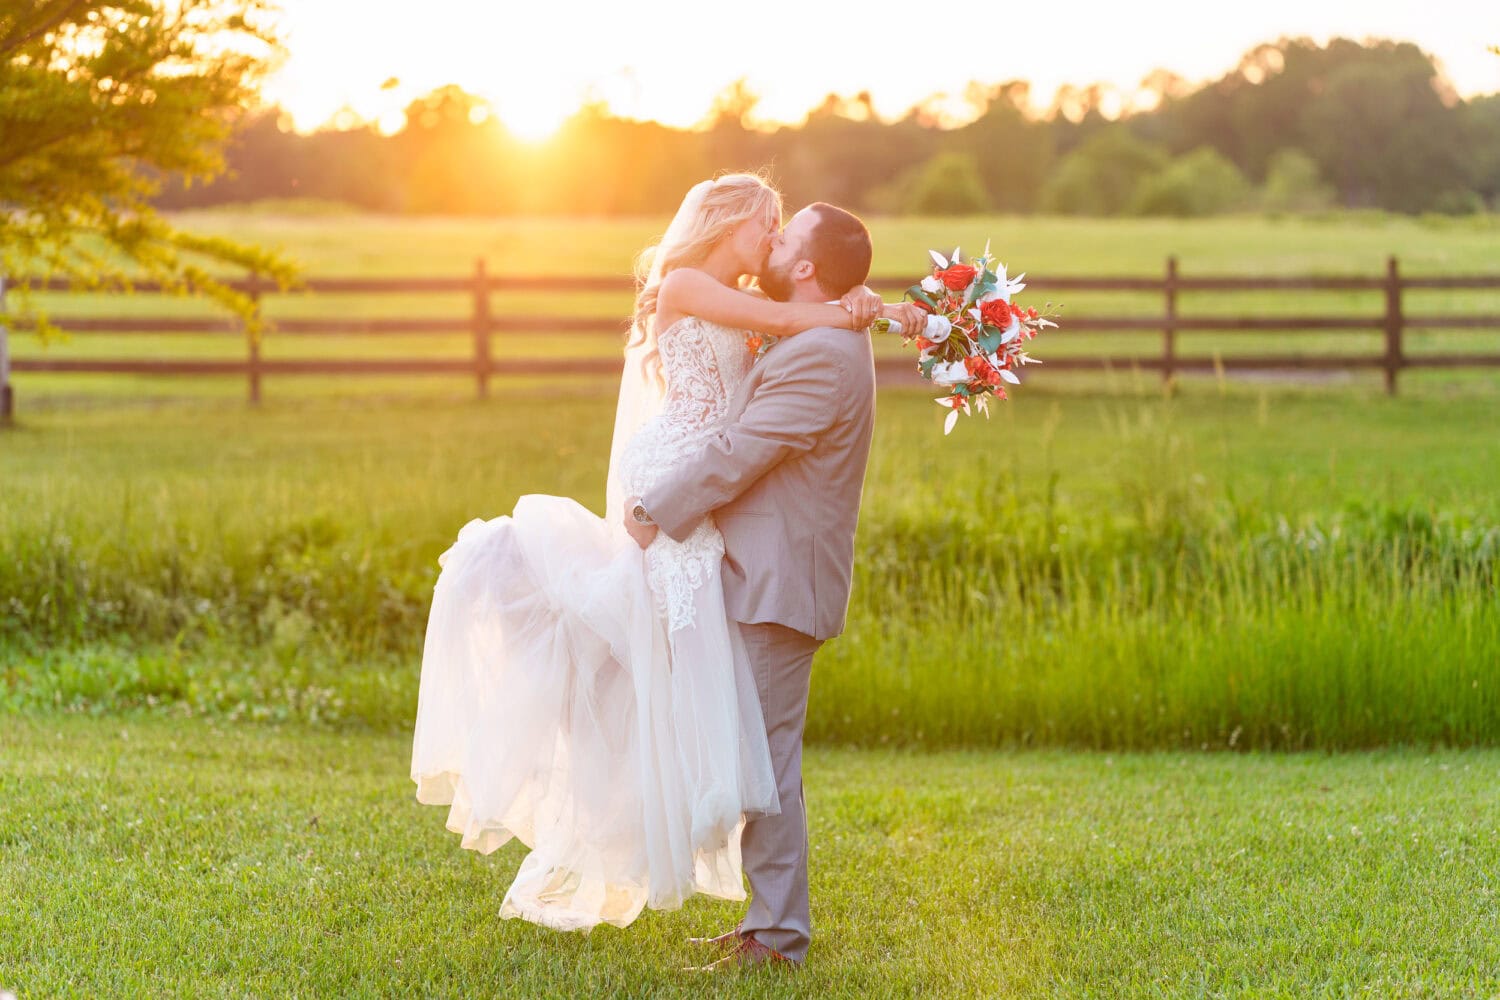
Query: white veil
[{"x": 641, "y": 391}]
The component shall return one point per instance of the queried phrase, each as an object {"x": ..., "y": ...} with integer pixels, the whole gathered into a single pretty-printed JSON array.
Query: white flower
[
  {"x": 950, "y": 373},
  {"x": 952, "y": 418},
  {"x": 931, "y": 285},
  {"x": 938, "y": 329},
  {"x": 1005, "y": 286},
  {"x": 938, "y": 259}
]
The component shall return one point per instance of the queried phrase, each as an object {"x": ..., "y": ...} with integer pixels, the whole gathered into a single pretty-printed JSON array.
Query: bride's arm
[
  {"x": 863, "y": 303},
  {"x": 690, "y": 292}
]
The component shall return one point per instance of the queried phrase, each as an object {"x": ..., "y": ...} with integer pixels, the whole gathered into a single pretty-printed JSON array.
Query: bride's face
[{"x": 751, "y": 241}]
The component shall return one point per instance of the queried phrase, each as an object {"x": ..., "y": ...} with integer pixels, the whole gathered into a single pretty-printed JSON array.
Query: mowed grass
[
  {"x": 1245, "y": 570},
  {"x": 168, "y": 857}
]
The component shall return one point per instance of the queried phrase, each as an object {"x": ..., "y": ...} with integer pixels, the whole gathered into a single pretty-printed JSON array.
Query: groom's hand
[
  {"x": 863, "y": 305},
  {"x": 643, "y": 534}
]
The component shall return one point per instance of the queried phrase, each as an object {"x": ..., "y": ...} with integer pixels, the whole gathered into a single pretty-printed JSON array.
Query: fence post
[
  {"x": 7, "y": 396},
  {"x": 1169, "y": 325},
  {"x": 481, "y": 329},
  {"x": 252, "y": 336},
  {"x": 1394, "y": 324}
]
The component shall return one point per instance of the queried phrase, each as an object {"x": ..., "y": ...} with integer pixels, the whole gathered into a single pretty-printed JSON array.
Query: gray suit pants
[{"x": 775, "y": 847}]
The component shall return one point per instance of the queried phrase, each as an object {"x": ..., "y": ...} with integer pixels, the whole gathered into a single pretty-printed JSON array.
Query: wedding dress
[{"x": 590, "y": 699}]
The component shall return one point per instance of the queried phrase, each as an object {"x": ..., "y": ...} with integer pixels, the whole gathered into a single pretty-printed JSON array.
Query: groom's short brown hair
[{"x": 839, "y": 248}]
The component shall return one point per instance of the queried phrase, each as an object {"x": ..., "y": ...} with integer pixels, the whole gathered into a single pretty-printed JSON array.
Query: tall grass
[{"x": 1217, "y": 571}]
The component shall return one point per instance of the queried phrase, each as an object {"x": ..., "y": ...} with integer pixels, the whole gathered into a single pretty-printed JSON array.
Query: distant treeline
[{"x": 1294, "y": 127}]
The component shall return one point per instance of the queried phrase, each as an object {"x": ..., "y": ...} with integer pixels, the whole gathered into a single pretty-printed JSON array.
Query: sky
[{"x": 536, "y": 62}]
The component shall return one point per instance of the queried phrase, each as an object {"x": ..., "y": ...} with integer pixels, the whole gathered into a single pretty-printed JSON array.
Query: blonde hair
[{"x": 733, "y": 199}]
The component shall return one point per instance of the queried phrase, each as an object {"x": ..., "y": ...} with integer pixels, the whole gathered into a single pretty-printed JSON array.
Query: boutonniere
[{"x": 758, "y": 344}]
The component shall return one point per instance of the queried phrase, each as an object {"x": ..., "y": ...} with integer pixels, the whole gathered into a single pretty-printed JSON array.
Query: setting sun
[{"x": 535, "y": 65}]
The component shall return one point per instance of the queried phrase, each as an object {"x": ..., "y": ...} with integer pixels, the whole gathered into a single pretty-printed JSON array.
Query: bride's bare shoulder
[
  {"x": 680, "y": 290},
  {"x": 683, "y": 281}
]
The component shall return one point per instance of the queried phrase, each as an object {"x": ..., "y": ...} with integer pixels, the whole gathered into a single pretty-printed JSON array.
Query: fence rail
[{"x": 481, "y": 324}]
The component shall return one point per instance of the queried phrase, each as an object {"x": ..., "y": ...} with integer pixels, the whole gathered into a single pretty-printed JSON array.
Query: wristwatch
[{"x": 639, "y": 513}]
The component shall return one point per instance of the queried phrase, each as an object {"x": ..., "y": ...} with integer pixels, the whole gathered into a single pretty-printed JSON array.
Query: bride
[{"x": 585, "y": 697}]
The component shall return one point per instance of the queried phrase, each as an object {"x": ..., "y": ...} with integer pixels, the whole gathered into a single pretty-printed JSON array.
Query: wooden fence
[{"x": 483, "y": 325}]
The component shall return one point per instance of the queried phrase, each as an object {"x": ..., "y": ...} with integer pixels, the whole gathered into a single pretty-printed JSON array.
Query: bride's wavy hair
[{"x": 733, "y": 199}]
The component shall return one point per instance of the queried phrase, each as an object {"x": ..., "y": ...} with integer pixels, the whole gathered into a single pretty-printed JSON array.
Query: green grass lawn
[{"x": 162, "y": 857}]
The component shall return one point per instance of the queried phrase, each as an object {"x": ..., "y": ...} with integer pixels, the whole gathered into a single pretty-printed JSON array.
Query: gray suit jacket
[{"x": 783, "y": 480}]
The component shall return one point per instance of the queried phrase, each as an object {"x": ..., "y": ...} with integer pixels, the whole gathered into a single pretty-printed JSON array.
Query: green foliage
[
  {"x": 1381, "y": 131},
  {"x": 1293, "y": 184},
  {"x": 1196, "y": 184},
  {"x": 1014, "y": 152},
  {"x": 948, "y": 184},
  {"x": 1133, "y": 574},
  {"x": 97, "y": 98},
  {"x": 1102, "y": 175}
]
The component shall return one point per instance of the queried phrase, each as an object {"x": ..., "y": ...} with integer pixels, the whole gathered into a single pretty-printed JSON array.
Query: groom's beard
[{"x": 777, "y": 282}]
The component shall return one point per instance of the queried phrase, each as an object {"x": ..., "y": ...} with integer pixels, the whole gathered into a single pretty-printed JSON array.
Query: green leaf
[{"x": 917, "y": 295}]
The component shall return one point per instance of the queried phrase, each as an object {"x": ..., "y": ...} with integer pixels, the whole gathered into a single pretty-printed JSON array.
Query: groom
[{"x": 783, "y": 480}]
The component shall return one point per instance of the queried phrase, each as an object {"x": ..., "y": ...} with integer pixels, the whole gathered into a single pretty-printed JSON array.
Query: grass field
[
  {"x": 180, "y": 858},
  {"x": 1270, "y": 570},
  {"x": 1250, "y": 564},
  {"x": 211, "y": 617}
]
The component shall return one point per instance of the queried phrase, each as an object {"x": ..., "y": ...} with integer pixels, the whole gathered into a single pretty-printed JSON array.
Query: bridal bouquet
[{"x": 975, "y": 334}]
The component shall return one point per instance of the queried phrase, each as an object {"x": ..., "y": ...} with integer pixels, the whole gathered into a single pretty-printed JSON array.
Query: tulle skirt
[{"x": 557, "y": 708}]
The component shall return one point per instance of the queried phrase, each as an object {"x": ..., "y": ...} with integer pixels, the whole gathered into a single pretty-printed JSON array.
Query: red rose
[
  {"x": 980, "y": 368},
  {"x": 996, "y": 312},
  {"x": 958, "y": 276}
]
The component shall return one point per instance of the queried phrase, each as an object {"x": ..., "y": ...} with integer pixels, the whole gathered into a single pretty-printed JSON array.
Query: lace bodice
[{"x": 703, "y": 364}]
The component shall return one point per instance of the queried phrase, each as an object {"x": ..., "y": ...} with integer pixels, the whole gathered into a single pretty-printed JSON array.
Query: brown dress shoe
[{"x": 749, "y": 953}]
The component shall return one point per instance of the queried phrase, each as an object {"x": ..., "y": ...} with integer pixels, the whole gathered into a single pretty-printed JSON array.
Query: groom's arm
[{"x": 797, "y": 400}]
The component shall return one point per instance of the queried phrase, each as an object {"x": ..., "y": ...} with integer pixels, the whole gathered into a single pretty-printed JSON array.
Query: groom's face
[{"x": 779, "y": 277}]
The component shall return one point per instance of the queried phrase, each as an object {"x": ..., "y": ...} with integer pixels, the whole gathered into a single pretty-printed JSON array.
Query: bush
[
  {"x": 1294, "y": 184},
  {"x": 1101, "y": 176},
  {"x": 1199, "y": 183},
  {"x": 947, "y": 184},
  {"x": 1459, "y": 202}
]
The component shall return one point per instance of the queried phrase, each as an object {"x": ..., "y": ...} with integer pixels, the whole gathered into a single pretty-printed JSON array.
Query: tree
[
  {"x": 1101, "y": 176},
  {"x": 1293, "y": 184},
  {"x": 1386, "y": 130},
  {"x": 948, "y": 184},
  {"x": 1014, "y": 153},
  {"x": 101, "y": 99},
  {"x": 1202, "y": 182}
]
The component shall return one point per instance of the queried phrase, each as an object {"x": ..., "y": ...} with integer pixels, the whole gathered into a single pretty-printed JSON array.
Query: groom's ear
[{"x": 803, "y": 270}]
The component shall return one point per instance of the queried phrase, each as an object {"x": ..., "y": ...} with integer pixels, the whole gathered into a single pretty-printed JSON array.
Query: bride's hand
[
  {"x": 913, "y": 318},
  {"x": 863, "y": 305},
  {"x": 643, "y": 534}
]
